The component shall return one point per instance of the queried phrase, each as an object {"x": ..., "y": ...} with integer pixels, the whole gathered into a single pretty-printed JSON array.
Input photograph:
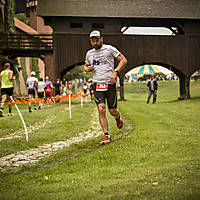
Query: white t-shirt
[
  {"x": 41, "y": 86},
  {"x": 31, "y": 82},
  {"x": 152, "y": 85},
  {"x": 103, "y": 62},
  {"x": 84, "y": 87}
]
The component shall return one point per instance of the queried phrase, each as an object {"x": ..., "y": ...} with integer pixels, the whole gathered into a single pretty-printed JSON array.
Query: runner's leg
[
  {"x": 116, "y": 114},
  {"x": 102, "y": 117},
  {"x": 10, "y": 106},
  {"x": 29, "y": 96},
  {"x": 3, "y": 100},
  {"x": 112, "y": 105}
]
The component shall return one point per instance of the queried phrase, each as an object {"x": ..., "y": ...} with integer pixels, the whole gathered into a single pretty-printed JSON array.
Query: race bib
[{"x": 101, "y": 86}]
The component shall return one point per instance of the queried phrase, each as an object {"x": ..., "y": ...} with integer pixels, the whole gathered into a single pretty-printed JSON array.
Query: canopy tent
[{"x": 149, "y": 69}]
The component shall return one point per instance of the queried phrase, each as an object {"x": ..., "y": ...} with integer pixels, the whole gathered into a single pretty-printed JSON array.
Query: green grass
[{"x": 156, "y": 155}]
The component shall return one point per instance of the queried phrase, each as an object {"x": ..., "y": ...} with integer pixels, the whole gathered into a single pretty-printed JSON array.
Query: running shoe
[
  {"x": 119, "y": 123},
  {"x": 10, "y": 114},
  {"x": 106, "y": 140},
  {"x": 35, "y": 108},
  {"x": 30, "y": 110},
  {"x": 1, "y": 113}
]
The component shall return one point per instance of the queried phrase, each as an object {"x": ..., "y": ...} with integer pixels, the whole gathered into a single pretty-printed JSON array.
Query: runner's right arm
[{"x": 88, "y": 68}]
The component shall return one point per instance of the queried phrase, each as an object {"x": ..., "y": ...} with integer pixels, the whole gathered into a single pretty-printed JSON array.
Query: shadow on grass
[{"x": 181, "y": 100}]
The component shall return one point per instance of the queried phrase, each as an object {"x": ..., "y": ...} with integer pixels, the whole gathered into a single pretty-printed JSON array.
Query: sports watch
[{"x": 116, "y": 70}]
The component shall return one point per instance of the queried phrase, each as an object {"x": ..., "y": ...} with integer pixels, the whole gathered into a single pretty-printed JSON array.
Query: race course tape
[{"x": 52, "y": 100}]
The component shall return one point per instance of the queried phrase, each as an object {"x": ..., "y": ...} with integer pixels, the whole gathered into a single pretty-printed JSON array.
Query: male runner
[
  {"x": 32, "y": 84},
  {"x": 41, "y": 86},
  {"x": 100, "y": 61},
  {"x": 6, "y": 87}
]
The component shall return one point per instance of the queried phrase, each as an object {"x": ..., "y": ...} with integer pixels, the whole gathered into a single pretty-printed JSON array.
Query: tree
[
  {"x": 9, "y": 16},
  {"x": 77, "y": 73}
]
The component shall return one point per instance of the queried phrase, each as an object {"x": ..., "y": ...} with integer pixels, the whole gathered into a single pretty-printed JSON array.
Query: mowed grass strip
[
  {"x": 157, "y": 159},
  {"x": 44, "y": 126}
]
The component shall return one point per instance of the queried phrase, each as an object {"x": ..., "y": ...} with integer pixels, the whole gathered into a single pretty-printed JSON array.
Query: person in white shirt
[
  {"x": 32, "y": 84},
  {"x": 40, "y": 89},
  {"x": 100, "y": 61}
]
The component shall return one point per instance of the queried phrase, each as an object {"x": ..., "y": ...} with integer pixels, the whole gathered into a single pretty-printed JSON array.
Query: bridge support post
[
  {"x": 184, "y": 87},
  {"x": 121, "y": 82}
]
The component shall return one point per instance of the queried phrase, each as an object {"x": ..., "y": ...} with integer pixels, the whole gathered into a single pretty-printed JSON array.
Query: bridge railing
[{"x": 26, "y": 43}]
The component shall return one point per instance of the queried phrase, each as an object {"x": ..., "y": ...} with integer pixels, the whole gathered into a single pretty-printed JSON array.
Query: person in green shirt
[{"x": 6, "y": 87}]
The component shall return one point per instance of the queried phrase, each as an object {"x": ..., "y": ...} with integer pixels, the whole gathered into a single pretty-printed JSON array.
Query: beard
[{"x": 96, "y": 46}]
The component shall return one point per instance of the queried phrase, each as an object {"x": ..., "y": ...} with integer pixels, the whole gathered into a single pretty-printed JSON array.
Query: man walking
[
  {"x": 100, "y": 61},
  {"x": 153, "y": 86},
  {"x": 6, "y": 87}
]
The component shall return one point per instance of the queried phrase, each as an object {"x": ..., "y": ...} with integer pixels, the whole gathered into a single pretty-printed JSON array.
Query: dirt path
[
  {"x": 34, "y": 155},
  {"x": 21, "y": 133}
]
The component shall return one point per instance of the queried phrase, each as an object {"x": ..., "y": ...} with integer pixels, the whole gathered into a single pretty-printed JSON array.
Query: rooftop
[{"x": 183, "y": 9}]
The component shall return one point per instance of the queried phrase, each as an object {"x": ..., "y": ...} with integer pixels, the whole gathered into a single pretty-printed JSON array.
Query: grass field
[{"x": 155, "y": 156}]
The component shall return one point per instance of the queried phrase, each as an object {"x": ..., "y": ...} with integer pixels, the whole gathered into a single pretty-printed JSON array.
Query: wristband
[{"x": 116, "y": 70}]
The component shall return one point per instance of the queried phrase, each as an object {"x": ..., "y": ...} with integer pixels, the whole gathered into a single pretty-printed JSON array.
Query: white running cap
[
  {"x": 95, "y": 34},
  {"x": 33, "y": 73}
]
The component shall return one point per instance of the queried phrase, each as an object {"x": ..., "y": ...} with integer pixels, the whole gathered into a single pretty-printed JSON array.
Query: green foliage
[
  {"x": 34, "y": 66},
  {"x": 9, "y": 16},
  {"x": 22, "y": 17},
  {"x": 23, "y": 65},
  {"x": 77, "y": 73}
]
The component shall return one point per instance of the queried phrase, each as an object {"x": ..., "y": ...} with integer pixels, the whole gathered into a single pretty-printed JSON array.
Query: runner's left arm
[{"x": 122, "y": 63}]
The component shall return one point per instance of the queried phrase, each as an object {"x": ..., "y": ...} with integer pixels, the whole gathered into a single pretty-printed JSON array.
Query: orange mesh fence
[{"x": 52, "y": 100}]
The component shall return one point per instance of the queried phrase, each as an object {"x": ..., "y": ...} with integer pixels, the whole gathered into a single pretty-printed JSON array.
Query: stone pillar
[
  {"x": 184, "y": 87},
  {"x": 121, "y": 81}
]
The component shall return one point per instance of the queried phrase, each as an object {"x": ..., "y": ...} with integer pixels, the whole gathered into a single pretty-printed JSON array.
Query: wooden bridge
[{"x": 73, "y": 20}]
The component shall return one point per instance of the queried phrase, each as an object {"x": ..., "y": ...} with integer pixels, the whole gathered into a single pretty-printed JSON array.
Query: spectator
[
  {"x": 153, "y": 86},
  {"x": 85, "y": 87},
  {"x": 57, "y": 86},
  {"x": 91, "y": 89}
]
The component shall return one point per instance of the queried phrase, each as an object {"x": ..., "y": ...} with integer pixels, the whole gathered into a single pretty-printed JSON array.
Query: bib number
[{"x": 102, "y": 87}]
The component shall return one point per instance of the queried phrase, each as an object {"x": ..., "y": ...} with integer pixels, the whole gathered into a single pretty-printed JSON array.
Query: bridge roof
[{"x": 183, "y": 9}]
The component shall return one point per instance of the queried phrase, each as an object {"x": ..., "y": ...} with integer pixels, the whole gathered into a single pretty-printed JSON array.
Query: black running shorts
[
  {"x": 8, "y": 91},
  {"x": 31, "y": 92},
  {"x": 110, "y": 95},
  {"x": 41, "y": 95}
]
